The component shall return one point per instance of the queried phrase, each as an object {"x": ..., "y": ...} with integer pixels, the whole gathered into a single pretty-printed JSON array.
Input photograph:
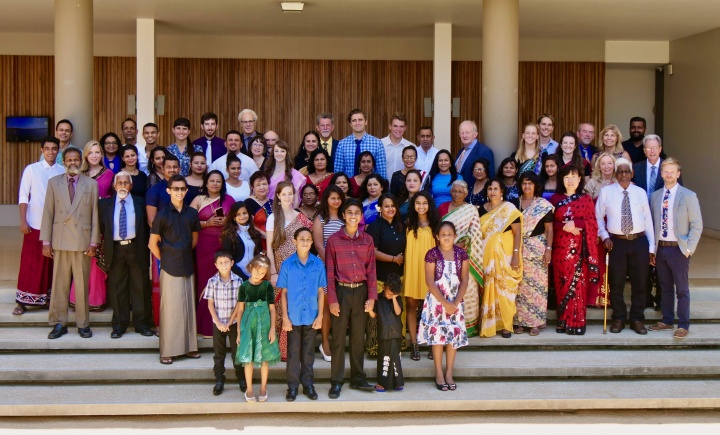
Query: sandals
[
  {"x": 452, "y": 387},
  {"x": 534, "y": 332},
  {"x": 518, "y": 330},
  {"x": 19, "y": 310},
  {"x": 379, "y": 388},
  {"x": 251, "y": 398},
  {"x": 561, "y": 328},
  {"x": 166, "y": 360},
  {"x": 415, "y": 352},
  {"x": 430, "y": 355},
  {"x": 442, "y": 387}
]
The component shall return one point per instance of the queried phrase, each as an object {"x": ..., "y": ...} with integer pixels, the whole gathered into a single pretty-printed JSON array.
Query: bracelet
[
  {"x": 516, "y": 250},
  {"x": 548, "y": 249}
]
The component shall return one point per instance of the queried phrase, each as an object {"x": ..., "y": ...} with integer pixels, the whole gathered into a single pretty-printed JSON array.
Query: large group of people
[{"x": 399, "y": 245}]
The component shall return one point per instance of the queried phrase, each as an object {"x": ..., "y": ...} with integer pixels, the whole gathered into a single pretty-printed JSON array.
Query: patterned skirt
[{"x": 532, "y": 295}]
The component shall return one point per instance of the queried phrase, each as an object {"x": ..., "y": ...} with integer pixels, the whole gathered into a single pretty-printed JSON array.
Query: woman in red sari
[{"x": 574, "y": 254}]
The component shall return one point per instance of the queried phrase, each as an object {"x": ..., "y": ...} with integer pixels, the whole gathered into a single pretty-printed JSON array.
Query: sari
[
  {"x": 500, "y": 280},
  {"x": 532, "y": 295},
  {"x": 321, "y": 185},
  {"x": 574, "y": 258},
  {"x": 467, "y": 228}
]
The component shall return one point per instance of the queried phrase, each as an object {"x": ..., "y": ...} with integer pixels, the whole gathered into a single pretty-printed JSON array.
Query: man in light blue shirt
[{"x": 349, "y": 149}]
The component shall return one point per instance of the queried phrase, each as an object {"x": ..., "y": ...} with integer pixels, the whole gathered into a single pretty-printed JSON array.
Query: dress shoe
[
  {"x": 681, "y": 333},
  {"x": 243, "y": 385},
  {"x": 291, "y": 394},
  {"x": 193, "y": 355},
  {"x": 638, "y": 327},
  {"x": 660, "y": 326},
  {"x": 58, "y": 331},
  {"x": 616, "y": 326},
  {"x": 218, "y": 388},
  {"x": 335, "y": 389},
  {"x": 147, "y": 332},
  {"x": 310, "y": 392},
  {"x": 364, "y": 386},
  {"x": 85, "y": 332},
  {"x": 116, "y": 334}
]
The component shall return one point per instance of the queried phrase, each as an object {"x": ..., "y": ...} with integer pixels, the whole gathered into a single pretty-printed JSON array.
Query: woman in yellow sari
[
  {"x": 468, "y": 237},
  {"x": 500, "y": 223}
]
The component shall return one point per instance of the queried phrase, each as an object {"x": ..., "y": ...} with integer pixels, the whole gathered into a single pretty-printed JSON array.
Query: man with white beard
[{"x": 124, "y": 226}]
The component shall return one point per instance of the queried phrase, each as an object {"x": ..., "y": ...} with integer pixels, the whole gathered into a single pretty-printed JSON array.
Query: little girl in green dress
[{"x": 257, "y": 339}]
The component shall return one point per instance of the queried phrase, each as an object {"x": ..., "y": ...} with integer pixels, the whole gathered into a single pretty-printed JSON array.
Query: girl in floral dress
[{"x": 442, "y": 322}]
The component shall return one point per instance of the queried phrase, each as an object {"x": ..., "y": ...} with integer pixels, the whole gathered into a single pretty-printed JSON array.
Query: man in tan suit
[{"x": 70, "y": 232}]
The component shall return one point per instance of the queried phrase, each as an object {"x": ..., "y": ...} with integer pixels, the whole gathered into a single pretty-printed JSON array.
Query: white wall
[
  {"x": 629, "y": 91},
  {"x": 692, "y": 117}
]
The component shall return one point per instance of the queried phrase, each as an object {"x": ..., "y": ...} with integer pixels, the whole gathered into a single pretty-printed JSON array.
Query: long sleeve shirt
[
  {"x": 345, "y": 159},
  {"x": 609, "y": 204},
  {"x": 350, "y": 260}
]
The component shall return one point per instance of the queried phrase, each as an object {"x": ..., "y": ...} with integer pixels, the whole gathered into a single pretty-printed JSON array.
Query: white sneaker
[{"x": 327, "y": 358}]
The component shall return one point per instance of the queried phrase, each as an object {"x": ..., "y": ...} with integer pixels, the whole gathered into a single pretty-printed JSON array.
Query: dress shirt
[
  {"x": 214, "y": 147},
  {"x": 175, "y": 229},
  {"x": 388, "y": 241},
  {"x": 142, "y": 163},
  {"x": 129, "y": 213},
  {"x": 464, "y": 155},
  {"x": 649, "y": 171},
  {"x": 671, "y": 237},
  {"x": 350, "y": 260},
  {"x": 425, "y": 159},
  {"x": 328, "y": 144},
  {"x": 609, "y": 203},
  {"x": 157, "y": 196},
  {"x": 247, "y": 166},
  {"x": 550, "y": 148},
  {"x": 33, "y": 188},
  {"x": 224, "y": 295},
  {"x": 302, "y": 282},
  {"x": 345, "y": 159},
  {"x": 393, "y": 155}
]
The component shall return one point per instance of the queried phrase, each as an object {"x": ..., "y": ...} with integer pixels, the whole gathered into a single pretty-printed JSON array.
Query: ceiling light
[{"x": 292, "y": 6}]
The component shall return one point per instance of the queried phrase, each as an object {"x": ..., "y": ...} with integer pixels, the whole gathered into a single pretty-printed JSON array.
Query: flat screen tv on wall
[{"x": 26, "y": 128}]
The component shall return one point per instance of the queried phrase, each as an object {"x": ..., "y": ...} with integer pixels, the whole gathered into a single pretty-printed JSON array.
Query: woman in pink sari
[{"x": 213, "y": 204}]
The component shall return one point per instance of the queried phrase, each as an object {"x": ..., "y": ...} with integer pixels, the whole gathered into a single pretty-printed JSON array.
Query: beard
[
  {"x": 123, "y": 193},
  {"x": 636, "y": 135},
  {"x": 72, "y": 170}
]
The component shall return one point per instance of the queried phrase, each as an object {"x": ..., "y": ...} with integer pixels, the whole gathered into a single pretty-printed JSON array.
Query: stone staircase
[{"x": 101, "y": 376}]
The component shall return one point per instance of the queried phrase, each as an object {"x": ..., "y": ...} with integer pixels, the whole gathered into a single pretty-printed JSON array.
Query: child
[
  {"x": 222, "y": 295},
  {"x": 442, "y": 323},
  {"x": 256, "y": 329},
  {"x": 388, "y": 311},
  {"x": 302, "y": 279}
]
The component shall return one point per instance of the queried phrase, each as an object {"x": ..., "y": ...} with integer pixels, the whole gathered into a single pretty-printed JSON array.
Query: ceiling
[{"x": 645, "y": 20}]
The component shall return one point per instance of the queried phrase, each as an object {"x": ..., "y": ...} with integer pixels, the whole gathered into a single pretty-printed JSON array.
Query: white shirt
[
  {"x": 393, "y": 154},
  {"x": 142, "y": 158},
  {"x": 425, "y": 159},
  {"x": 239, "y": 193},
  {"x": 33, "y": 187},
  {"x": 671, "y": 237},
  {"x": 247, "y": 166},
  {"x": 649, "y": 171},
  {"x": 609, "y": 203},
  {"x": 129, "y": 213}
]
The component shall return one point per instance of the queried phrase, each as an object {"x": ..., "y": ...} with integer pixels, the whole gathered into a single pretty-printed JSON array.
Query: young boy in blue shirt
[{"x": 302, "y": 278}]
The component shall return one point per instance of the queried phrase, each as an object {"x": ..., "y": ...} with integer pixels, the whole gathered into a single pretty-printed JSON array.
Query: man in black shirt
[
  {"x": 634, "y": 145},
  {"x": 177, "y": 226}
]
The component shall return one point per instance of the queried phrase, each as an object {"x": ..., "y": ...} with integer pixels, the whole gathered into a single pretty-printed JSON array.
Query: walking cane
[{"x": 607, "y": 267}]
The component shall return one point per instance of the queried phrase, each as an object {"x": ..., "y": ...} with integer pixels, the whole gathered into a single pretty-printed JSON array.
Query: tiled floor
[{"x": 704, "y": 265}]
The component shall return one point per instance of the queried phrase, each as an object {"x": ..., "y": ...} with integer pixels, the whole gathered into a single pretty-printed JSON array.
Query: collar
[
  {"x": 650, "y": 165},
  {"x": 673, "y": 190},
  {"x": 172, "y": 208},
  {"x": 75, "y": 177},
  {"x": 46, "y": 165},
  {"x": 128, "y": 199},
  {"x": 233, "y": 278},
  {"x": 472, "y": 144},
  {"x": 347, "y": 236}
]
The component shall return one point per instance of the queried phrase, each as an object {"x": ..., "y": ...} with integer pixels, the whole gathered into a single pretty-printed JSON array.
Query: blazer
[
  {"x": 71, "y": 226},
  {"x": 687, "y": 220},
  {"x": 640, "y": 175},
  {"x": 106, "y": 207},
  {"x": 479, "y": 150}
]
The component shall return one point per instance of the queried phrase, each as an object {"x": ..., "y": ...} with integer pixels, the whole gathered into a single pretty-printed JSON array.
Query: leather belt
[
  {"x": 351, "y": 284},
  {"x": 628, "y": 236},
  {"x": 124, "y": 242},
  {"x": 667, "y": 243}
]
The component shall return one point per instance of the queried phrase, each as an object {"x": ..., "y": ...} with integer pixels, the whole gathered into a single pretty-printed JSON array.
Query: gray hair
[
  {"x": 460, "y": 183},
  {"x": 623, "y": 161},
  {"x": 325, "y": 115},
  {"x": 652, "y": 137},
  {"x": 468, "y": 121},
  {"x": 250, "y": 111},
  {"x": 122, "y": 174}
]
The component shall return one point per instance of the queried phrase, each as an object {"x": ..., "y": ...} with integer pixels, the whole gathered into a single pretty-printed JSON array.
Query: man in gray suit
[
  {"x": 70, "y": 232},
  {"x": 678, "y": 226}
]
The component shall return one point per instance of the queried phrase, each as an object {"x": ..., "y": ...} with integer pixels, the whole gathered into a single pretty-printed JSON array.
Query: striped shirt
[
  {"x": 329, "y": 228},
  {"x": 345, "y": 158}
]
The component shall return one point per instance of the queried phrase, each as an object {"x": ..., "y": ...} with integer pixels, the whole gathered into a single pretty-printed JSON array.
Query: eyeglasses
[
  {"x": 111, "y": 143},
  {"x": 654, "y": 148},
  {"x": 478, "y": 170},
  {"x": 624, "y": 171},
  {"x": 178, "y": 189},
  {"x": 247, "y": 122}
]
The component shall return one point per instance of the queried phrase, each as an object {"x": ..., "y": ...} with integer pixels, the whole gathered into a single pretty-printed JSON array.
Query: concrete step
[
  {"x": 89, "y": 367},
  {"x": 194, "y": 398},
  {"x": 38, "y": 316},
  {"x": 14, "y": 338}
]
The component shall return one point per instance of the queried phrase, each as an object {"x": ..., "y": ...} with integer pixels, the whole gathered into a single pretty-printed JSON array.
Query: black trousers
[
  {"x": 127, "y": 287},
  {"x": 300, "y": 356},
  {"x": 220, "y": 348},
  {"x": 352, "y": 312},
  {"x": 628, "y": 258}
]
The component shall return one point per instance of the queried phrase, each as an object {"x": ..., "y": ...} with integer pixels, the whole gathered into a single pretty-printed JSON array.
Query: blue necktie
[
  {"x": 653, "y": 179},
  {"x": 123, "y": 220}
]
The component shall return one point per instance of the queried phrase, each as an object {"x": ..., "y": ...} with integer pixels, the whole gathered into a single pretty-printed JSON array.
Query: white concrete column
[
  {"x": 74, "y": 67},
  {"x": 145, "y": 57},
  {"x": 500, "y": 70},
  {"x": 442, "y": 82}
]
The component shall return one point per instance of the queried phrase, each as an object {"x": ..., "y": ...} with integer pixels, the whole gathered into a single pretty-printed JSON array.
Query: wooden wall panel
[
  {"x": 572, "y": 92},
  {"x": 466, "y": 85},
  {"x": 114, "y": 80},
  {"x": 26, "y": 89}
]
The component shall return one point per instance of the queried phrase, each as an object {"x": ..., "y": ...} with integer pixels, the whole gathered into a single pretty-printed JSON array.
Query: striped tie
[
  {"x": 123, "y": 220},
  {"x": 653, "y": 180}
]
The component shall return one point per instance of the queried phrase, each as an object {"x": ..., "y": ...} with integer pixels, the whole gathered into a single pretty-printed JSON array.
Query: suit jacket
[
  {"x": 687, "y": 220},
  {"x": 331, "y": 163},
  {"x": 142, "y": 232},
  {"x": 479, "y": 150},
  {"x": 640, "y": 175},
  {"x": 71, "y": 226}
]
